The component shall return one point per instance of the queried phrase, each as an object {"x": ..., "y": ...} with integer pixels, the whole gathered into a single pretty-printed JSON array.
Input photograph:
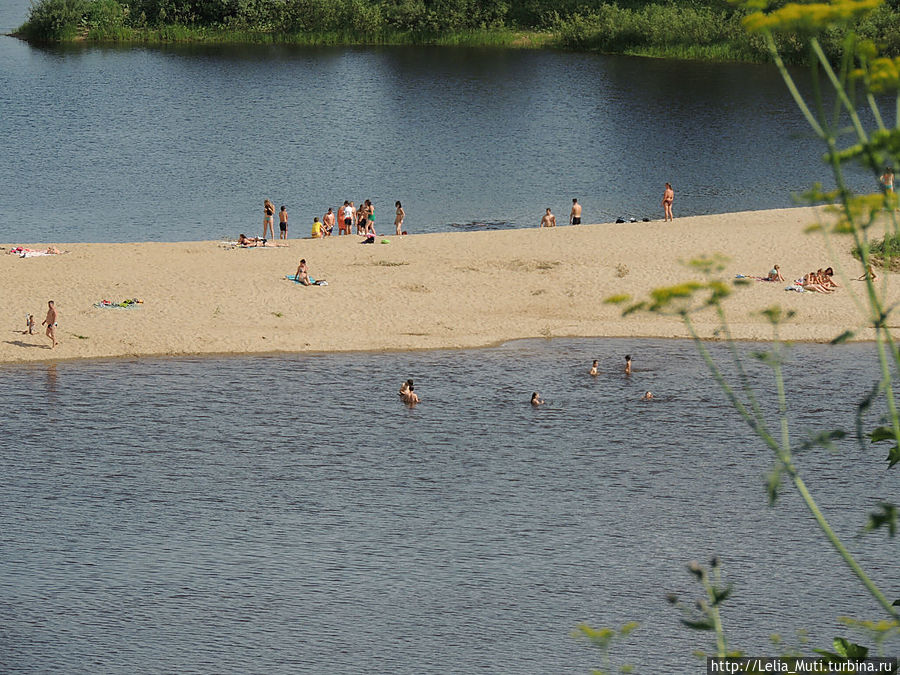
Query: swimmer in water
[
  {"x": 536, "y": 399},
  {"x": 648, "y": 396},
  {"x": 594, "y": 367},
  {"x": 628, "y": 364}
]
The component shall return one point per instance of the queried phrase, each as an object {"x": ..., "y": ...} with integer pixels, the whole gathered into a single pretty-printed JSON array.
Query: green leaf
[
  {"x": 773, "y": 483},
  {"x": 886, "y": 517},
  {"x": 882, "y": 434},
  {"x": 843, "y": 337},
  {"x": 894, "y": 456},
  {"x": 720, "y": 595},
  {"x": 700, "y": 624}
]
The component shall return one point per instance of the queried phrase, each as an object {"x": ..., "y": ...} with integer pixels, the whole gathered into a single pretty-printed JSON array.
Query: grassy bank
[{"x": 700, "y": 31}]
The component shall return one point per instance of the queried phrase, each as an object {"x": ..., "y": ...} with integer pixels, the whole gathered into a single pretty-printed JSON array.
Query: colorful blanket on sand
[
  {"x": 24, "y": 252},
  {"x": 130, "y": 303}
]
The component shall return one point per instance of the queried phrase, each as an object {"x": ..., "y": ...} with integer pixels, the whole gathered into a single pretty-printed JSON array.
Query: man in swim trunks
[
  {"x": 549, "y": 220},
  {"x": 50, "y": 321},
  {"x": 328, "y": 221},
  {"x": 575, "y": 215},
  {"x": 282, "y": 224}
]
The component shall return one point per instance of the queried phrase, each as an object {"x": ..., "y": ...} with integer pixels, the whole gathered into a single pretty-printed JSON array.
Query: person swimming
[
  {"x": 594, "y": 365},
  {"x": 536, "y": 399},
  {"x": 648, "y": 396},
  {"x": 628, "y": 364}
]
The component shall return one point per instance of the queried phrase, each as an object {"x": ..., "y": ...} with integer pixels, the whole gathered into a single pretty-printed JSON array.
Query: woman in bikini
[
  {"x": 668, "y": 198},
  {"x": 269, "y": 219},
  {"x": 370, "y": 219},
  {"x": 810, "y": 283},
  {"x": 398, "y": 219}
]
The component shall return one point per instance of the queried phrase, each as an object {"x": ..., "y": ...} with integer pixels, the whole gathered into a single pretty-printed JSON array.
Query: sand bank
[{"x": 445, "y": 290}]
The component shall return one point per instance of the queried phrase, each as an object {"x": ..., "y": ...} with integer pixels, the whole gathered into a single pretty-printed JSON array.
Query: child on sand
[
  {"x": 775, "y": 274},
  {"x": 283, "y": 220},
  {"x": 317, "y": 228},
  {"x": 29, "y": 325}
]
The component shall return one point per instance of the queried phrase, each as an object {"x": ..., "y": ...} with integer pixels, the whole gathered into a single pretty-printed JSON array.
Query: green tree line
[{"x": 705, "y": 29}]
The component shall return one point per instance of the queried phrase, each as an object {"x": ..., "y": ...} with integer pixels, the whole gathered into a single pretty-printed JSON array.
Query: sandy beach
[{"x": 446, "y": 290}]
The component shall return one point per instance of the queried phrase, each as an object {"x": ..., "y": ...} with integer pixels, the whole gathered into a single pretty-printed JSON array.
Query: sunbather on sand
[
  {"x": 828, "y": 278},
  {"x": 775, "y": 274},
  {"x": 302, "y": 275},
  {"x": 810, "y": 283},
  {"x": 252, "y": 242}
]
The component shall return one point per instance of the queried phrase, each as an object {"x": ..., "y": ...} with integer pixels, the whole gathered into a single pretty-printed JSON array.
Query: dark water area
[
  {"x": 184, "y": 143},
  {"x": 288, "y": 514}
]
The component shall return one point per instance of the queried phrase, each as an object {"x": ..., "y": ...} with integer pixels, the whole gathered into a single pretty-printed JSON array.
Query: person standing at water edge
[
  {"x": 668, "y": 198},
  {"x": 887, "y": 179},
  {"x": 282, "y": 222},
  {"x": 268, "y": 218},
  {"x": 398, "y": 219},
  {"x": 50, "y": 322},
  {"x": 549, "y": 220},
  {"x": 575, "y": 215},
  {"x": 346, "y": 218},
  {"x": 328, "y": 221}
]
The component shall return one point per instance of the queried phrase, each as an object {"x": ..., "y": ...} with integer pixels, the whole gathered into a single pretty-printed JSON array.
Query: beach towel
[
  {"x": 750, "y": 276},
  {"x": 796, "y": 287},
  {"x": 130, "y": 303},
  {"x": 23, "y": 252},
  {"x": 313, "y": 282}
]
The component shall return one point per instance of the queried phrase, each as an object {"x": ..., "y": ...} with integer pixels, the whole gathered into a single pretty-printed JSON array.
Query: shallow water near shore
[
  {"x": 184, "y": 143},
  {"x": 287, "y": 514}
]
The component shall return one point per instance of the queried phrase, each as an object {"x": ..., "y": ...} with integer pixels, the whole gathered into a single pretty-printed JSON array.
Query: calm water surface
[
  {"x": 125, "y": 144},
  {"x": 288, "y": 515}
]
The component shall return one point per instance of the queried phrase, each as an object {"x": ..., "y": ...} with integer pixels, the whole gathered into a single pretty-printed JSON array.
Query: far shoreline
[{"x": 435, "y": 291}]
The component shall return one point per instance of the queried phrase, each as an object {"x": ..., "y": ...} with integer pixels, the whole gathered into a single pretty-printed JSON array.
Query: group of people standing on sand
[
  {"x": 549, "y": 220},
  {"x": 50, "y": 322},
  {"x": 346, "y": 217}
]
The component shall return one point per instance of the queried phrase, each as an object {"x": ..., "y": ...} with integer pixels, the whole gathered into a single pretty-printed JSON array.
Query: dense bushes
[{"x": 709, "y": 29}]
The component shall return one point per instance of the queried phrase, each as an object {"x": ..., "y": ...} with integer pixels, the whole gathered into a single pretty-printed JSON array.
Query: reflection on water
[
  {"x": 479, "y": 225},
  {"x": 290, "y": 515}
]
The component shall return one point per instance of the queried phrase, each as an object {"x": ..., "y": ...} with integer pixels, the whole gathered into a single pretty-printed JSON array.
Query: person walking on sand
[
  {"x": 575, "y": 215},
  {"x": 549, "y": 220},
  {"x": 398, "y": 219},
  {"x": 282, "y": 222},
  {"x": 668, "y": 198},
  {"x": 50, "y": 321},
  {"x": 268, "y": 218}
]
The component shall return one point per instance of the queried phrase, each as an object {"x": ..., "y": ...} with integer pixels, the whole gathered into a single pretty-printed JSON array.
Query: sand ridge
[{"x": 444, "y": 290}]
